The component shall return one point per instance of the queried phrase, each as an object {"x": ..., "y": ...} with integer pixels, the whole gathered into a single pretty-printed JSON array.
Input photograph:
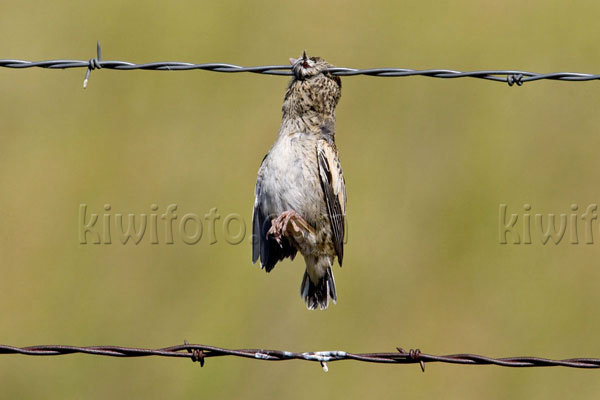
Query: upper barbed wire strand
[
  {"x": 495, "y": 75},
  {"x": 507, "y": 76}
]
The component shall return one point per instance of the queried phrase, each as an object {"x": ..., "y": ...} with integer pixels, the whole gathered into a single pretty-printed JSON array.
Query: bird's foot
[{"x": 289, "y": 223}]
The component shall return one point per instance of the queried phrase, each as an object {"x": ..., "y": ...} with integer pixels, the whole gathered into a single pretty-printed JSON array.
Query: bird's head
[
  {"x": 312, "y": 86},
  {"x": 306, "y": 67}
]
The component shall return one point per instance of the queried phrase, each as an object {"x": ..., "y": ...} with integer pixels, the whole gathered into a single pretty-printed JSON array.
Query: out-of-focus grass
[{"x": 427, "y": 163}]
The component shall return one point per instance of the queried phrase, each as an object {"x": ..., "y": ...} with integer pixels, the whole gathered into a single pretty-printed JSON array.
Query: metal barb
[
  {"x": 197, "y": 355},
  {"x": 93, "y": 63},
  {"x": 416, "y": 355},
  {"x": 324, "y": 365},
  {"x": 413, "y": 355}
]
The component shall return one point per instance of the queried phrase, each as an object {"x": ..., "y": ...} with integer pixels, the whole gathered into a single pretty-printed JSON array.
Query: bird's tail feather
[{"x": 318, "y": 294}]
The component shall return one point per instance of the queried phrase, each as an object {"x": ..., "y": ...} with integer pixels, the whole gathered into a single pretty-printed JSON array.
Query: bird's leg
[{"x": 291, "y": 224}]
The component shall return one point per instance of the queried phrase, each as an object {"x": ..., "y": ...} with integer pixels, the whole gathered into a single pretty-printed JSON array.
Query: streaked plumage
[{"x": 300, "y": 192}]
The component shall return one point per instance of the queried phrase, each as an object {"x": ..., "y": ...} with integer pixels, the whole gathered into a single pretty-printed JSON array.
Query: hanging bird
[{"x": 300, "y": 192}]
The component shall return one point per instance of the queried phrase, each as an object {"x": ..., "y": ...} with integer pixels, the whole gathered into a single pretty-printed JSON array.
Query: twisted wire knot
[
  {"x": 511, "y": 79},
  {"x": 94, "y": 63},
  {"x": 197, "y": 355},
  {"x": 413, "y": 354}
]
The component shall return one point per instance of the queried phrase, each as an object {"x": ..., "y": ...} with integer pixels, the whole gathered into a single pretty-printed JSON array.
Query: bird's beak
[{"x": 304, "y": 56}]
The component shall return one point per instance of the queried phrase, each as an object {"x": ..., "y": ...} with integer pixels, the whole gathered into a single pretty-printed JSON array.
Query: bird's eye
[{"x": 306, "y": 64}]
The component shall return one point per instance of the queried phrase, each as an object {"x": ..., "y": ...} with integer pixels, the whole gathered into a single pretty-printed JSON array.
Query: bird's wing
[
  {"x": 258, "y": 219},
  {"x": 267, "y": 248},
  {"x": 332, "y": 182}
]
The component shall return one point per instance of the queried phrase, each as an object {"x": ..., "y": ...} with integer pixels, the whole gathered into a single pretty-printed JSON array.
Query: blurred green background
[{"x": 427, "y": 163}]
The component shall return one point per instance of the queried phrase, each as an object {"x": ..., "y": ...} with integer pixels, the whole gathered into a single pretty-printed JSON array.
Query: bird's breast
[{"x": 291, "y": 178}]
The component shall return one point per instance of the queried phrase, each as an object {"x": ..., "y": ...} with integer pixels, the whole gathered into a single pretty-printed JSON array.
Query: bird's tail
[{"x": 318, "y": 294}]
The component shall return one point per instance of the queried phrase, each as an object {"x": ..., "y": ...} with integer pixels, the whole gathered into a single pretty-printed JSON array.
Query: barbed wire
[
  {"x": 507, "y": 76},
  {"x": 199, "y": 353}
]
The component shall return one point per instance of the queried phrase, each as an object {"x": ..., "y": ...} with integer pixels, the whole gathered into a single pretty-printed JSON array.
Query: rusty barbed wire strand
[
  {"x": 511, "y": 77},
  {"x": 199, "y": 352}
]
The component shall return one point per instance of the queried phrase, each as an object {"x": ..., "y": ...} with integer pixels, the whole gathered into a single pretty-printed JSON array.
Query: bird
[{"x": 300, "y": 192}]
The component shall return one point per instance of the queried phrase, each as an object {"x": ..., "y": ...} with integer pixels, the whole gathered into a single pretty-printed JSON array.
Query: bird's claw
[{"x": 284, "y": 224}]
